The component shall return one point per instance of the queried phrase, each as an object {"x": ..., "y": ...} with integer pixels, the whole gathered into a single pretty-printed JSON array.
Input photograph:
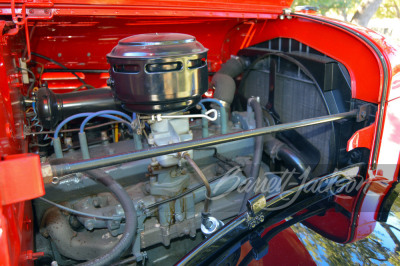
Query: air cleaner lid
[{"x": 155, "y": 45}]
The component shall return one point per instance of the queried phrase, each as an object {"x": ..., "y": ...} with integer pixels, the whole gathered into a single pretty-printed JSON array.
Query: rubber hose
[
  {"x": 233, "y": 67},
  {"x": 258, "y": 150},
  {"x": 291, "y": 160},
  {"x": 129, "y": 210},
  {"x": 223, "y": 81},
  {"x": 276, "y": 149},
  {"x": 130, "y": 218},
  {"x": 224, "y": 87}
]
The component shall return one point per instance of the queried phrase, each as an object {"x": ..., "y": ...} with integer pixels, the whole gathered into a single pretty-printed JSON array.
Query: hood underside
[{"x": 218, "y": 8}]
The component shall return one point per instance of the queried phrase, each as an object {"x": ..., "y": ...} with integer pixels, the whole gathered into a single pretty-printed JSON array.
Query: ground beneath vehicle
[{"x": 227, "y": 123}]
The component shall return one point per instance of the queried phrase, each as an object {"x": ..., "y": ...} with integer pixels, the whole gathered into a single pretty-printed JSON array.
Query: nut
[{"x": 47, "y": 173}]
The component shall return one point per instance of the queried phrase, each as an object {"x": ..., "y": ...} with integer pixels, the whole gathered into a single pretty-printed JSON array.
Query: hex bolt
[
  {"x": 209, "y": 224},
  {"x": 151, "y": 139},
  {"x": 89, "y": 225},
  {"x": 68, "y": 142},
  {"x": 179, "y": 217},
  {"x": 119, "y": 210},
  {"x": 96, "y": 203}
]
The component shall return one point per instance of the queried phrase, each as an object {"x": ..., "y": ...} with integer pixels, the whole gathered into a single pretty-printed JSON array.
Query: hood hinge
[{"x": 31, "y": 10}]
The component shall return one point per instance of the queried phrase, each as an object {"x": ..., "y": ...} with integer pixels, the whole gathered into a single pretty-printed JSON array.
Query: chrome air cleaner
[{"x": 158, "y": 72}]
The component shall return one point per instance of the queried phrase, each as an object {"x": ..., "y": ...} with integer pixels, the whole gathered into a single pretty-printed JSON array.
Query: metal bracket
[
  {"x": 363, "y": 112},
  {"x": 286, "y": 13},
  {"x": 253, "y": 221},
  {"x": 141, "y": 213},
  {"x": 36, "y": 10},
  {"x": 255, "y": 205},
  {"x": 31, "y": 10}
]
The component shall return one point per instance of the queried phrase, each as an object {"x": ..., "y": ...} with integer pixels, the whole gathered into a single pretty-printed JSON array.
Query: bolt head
[
  {"x": 179, "y": 217},
  {"x": 89, "y": 225}
]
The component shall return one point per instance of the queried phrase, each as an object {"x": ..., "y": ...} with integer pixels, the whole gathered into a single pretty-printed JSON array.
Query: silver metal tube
[{"x": 79, "y": 166}]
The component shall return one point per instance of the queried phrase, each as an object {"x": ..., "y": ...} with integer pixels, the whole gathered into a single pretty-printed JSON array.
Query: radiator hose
[
  {"x": 276, "y": 149},
  {"x": 258, "y": 150},
  {"x": 223, "y": 82},
  {"x": 225, "y": 88}
]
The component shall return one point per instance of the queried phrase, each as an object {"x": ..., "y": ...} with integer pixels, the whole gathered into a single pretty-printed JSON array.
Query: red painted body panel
[
  {"x": 193, "y": 8},
  {"x": 16, "y": 226},
  {"x": 16, "y": 238},
  {"x": 363, "y": 138},
  {"x": 20, "y": 178},
  {"x": 11, "y": 115},
  {"x": 224, "y": 28}
]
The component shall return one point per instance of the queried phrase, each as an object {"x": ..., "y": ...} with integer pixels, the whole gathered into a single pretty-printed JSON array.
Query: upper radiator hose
[{"x": 223, "y": 82}]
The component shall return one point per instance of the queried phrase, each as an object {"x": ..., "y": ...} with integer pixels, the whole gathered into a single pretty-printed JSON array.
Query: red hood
[{"x": 217, "y": 8}]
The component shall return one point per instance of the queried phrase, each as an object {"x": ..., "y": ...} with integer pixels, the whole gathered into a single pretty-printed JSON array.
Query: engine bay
[{"x": 167, "y": 146}]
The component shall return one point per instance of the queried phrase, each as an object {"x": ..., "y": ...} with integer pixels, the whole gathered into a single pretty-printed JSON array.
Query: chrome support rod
[{"x": 58, "y": 170}]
